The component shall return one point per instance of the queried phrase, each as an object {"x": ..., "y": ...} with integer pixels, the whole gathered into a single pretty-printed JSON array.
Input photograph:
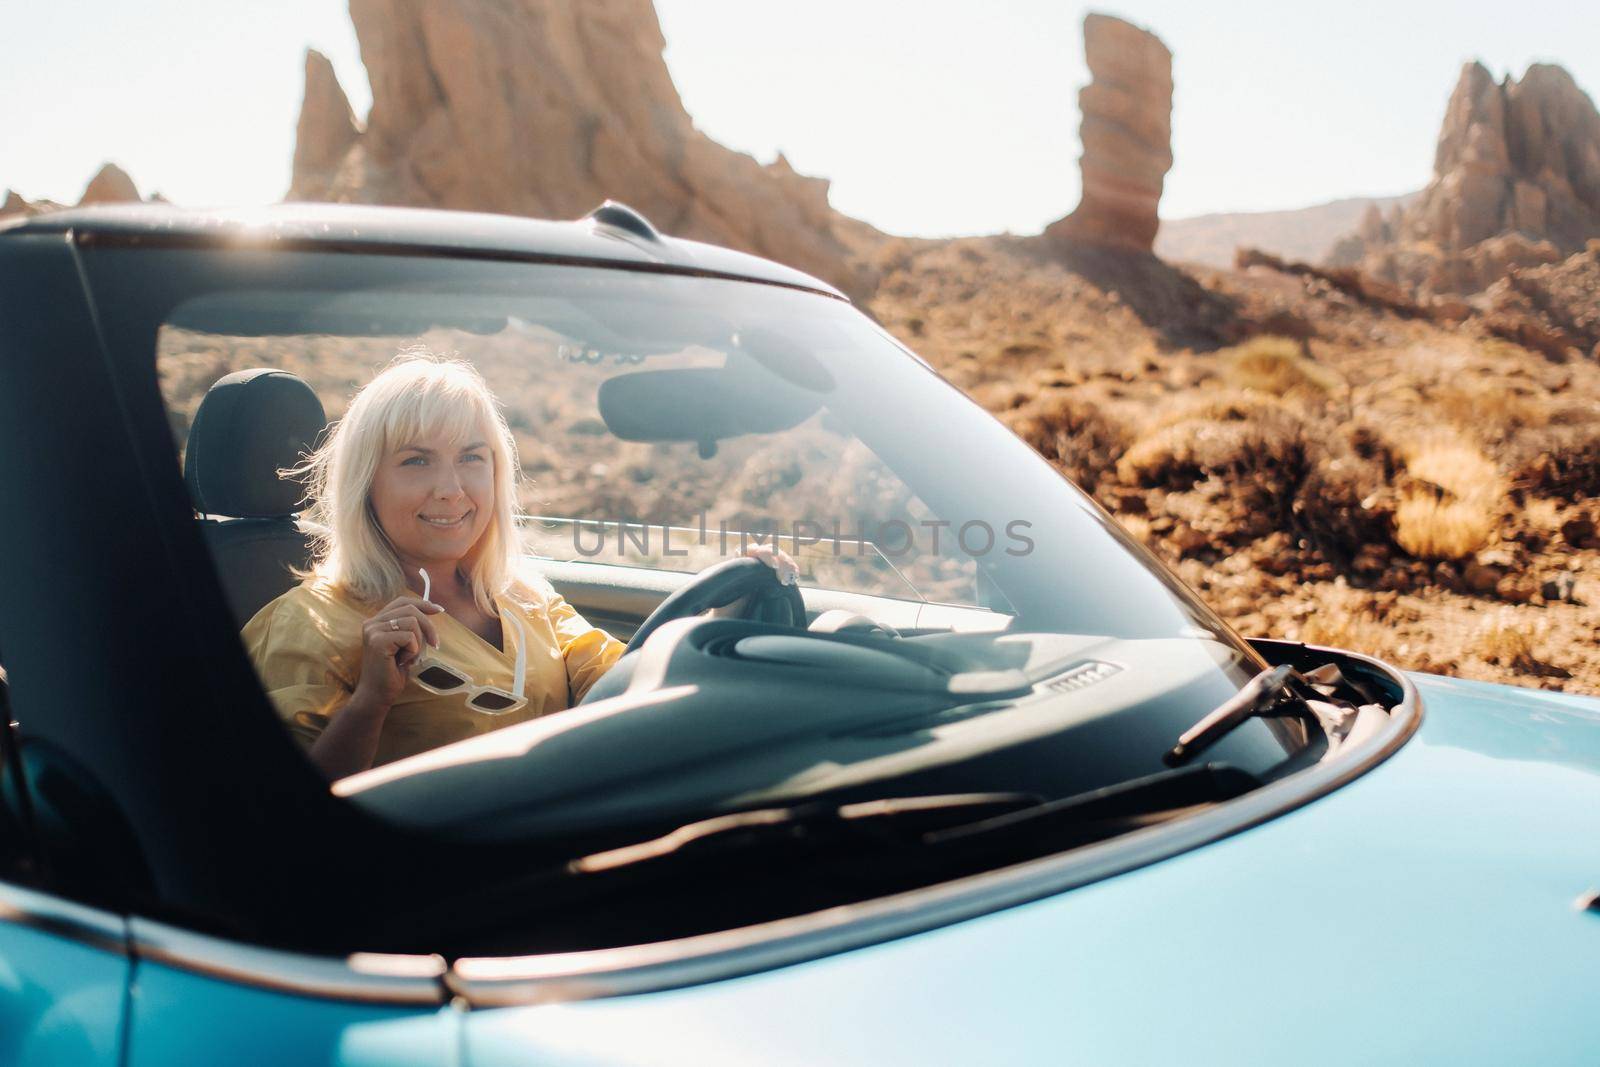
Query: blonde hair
[{"x": 418, "y": 392}]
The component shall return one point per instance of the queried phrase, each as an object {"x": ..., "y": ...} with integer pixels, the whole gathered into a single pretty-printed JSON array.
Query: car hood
[{"x": 1425, "y": 911}]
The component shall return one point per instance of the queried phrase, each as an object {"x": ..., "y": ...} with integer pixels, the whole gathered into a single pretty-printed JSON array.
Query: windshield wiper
[
  {"x": 945, "y": 820},
  {"x": 1138, "y": 800},
  {"x": 800, "y": 820},
  {"x": 1261, "y": 695}
]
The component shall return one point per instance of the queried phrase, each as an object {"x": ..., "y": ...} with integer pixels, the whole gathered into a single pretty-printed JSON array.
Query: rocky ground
[{"x": 1320, "y": 465}]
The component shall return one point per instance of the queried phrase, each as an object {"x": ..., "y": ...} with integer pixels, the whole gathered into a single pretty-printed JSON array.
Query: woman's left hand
[
  {"x": 787, "y": 569},
  {"x": 779, "y": 560}
]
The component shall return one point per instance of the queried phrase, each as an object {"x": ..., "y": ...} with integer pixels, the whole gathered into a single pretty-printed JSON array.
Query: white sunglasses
[{"x": 439, "y": 677}]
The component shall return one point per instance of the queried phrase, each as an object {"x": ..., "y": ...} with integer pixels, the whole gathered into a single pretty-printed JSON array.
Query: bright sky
[{"x": 939, "y": 117}]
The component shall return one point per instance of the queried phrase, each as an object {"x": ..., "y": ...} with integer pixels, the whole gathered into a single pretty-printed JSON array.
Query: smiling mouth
[{"x": 446, "y": 524}]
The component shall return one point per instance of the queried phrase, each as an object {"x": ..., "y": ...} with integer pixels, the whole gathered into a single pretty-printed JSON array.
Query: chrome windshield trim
[
  {"x": 552, "y": 978},
  {"x": 368, "y": 978},
  {"x": 62, "y": 918}
]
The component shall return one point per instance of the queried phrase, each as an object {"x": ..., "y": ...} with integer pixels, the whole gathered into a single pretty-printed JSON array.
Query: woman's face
[{"x": 434, "y": 497}]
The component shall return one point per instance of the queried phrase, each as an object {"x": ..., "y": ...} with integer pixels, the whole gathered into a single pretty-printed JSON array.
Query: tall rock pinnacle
[
  {"x": 326, "y": 130},
  {"x": 1126, "y": 129}
]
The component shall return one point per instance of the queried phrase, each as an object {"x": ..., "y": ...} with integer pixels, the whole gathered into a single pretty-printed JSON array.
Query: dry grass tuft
[
  {"x": 1138, "y": 526},
  {"x": 1352, "y": 629},
  {"x": 1430, "y": 528},
  {"x": 1346, "y": 618},
  {"x": 1508, "y": 640},
  {"x": 1505, "y": 353},
  {"x": 1275, "y": 365},
  {"x": 1511, "y": 639},
  {"x": 1455, "y": 466},
  {"x": 1456, "y": 504}
]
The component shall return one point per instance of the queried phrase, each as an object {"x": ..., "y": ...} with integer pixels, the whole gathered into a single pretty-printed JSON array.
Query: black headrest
[{"x": 251, "y": 424}]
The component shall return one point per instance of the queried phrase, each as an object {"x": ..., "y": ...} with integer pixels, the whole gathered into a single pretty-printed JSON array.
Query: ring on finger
[{"x": 394, "y": 624}]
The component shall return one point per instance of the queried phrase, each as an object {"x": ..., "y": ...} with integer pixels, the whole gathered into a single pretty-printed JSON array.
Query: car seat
[{"x": 250, "y": 425}]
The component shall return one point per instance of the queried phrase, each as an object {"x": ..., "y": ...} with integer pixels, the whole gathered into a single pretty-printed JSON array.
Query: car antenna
[{"x": 619, "y": 216}]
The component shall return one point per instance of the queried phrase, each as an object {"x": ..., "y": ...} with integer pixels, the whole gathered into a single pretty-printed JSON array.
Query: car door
[
  {"x": 63, "y": 968},
  {"x": 82, "y": 987},
  {"x": 199, "y": 999},
  {"x": 114, "y": 804}
]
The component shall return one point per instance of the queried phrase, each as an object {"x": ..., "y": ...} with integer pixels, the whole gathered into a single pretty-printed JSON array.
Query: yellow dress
[{"x": 306, "y": 646}]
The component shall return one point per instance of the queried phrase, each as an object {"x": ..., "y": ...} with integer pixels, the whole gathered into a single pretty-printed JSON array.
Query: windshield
[
  {"x": 705, "y": 414},
  {"x": 972, "y": 622}
]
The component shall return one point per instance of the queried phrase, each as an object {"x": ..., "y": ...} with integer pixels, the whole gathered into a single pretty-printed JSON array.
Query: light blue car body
[{"x": 1427, "y": 911}]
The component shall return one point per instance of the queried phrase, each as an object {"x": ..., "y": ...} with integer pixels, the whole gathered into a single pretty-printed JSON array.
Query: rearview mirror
[{"x": 702, "y": 404}]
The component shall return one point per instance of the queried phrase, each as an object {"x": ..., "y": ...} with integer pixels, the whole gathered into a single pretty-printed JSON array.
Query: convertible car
[{"x": 990, "y": 786}]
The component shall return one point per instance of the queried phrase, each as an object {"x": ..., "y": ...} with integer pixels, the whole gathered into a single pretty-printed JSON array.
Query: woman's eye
[
  {"x": 474, "y": 457},
  {"x": 414, "y": 461}
]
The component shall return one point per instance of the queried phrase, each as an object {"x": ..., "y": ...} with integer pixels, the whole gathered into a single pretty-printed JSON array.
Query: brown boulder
[
  {"x": 1126, "y": 129},
  {"x": 110, "y": 185},
  {"x": 545, "y": 109}
]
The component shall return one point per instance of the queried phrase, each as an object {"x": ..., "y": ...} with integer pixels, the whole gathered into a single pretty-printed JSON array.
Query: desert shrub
[
  {"x": 1230, "y": 405},
  {"x": 1491, "y": 411},
  {"x": 1506, "y": 638},
  {"x": 1231, "y": 510},
  {"x": 1268, "y": 445},
  {"x": 1343, "y": 625},
  {"x": 1342, "y": 617},
  {"x": 1275, "y": 365},
  {"x": 1453, "y": 503},
  {"x": 1504, "y": 352},
  {"x": 1346, "y": 500},
  {"x": 1072, "y": 432},
  {"x": 1562, "y": 460}
]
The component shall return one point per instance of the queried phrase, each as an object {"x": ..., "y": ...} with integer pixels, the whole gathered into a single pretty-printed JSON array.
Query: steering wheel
[{"x": 718, "y": 586}]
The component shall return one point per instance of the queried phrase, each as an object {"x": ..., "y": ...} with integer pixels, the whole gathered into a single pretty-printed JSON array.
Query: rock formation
[
  {"x": 1554, "y": 309},
  {"x": 543, "y": 108},
  {"x": 1126, "y": 129},
  {"x": 1516, "y": 184},
  {"x": 13, "y": 204},
  {"x": 110, "y": 185},
  {"x": 325, "y": 133}
]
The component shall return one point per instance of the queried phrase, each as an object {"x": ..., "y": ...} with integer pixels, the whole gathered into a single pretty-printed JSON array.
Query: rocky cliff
[
  {"x": 1516, "y": 184},
  {"x": 542, "y": 108},
  {"x": 1126, "y": 130}
]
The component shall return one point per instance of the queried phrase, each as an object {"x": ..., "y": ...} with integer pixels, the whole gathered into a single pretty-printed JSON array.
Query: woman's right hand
[{"x": 391, "y": 641}]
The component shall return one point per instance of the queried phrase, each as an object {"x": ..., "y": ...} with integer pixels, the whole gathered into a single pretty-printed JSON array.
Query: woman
[{"x": 416, "y": 625}]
